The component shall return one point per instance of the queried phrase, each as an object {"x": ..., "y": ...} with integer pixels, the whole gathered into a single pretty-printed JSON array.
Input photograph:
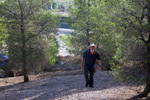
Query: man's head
[{"x": 92, "y": 47}]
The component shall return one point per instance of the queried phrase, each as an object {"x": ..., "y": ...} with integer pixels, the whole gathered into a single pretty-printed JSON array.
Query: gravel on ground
[{"x": 70, "y": 87}]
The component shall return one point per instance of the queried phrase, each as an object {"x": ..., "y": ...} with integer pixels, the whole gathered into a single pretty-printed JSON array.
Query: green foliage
[
  {"x": 29, "y": 30},
  {"x": 119, "y": 28},
  {"x": 130, "y": 21},
  {"x": 66, "y": 39},
  {"x": 3, "y": 31},
  {"x": 58, "y": 3},
  {"x": 92, "y": 21},
  {"x": 52, "y": 50}
]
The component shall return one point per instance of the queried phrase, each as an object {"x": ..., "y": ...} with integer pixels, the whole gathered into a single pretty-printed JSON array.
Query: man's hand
[
  {"x": 82, "y": 67},
  {"x": 100, "y": 68},
  {"x": 100, "y": 65}
]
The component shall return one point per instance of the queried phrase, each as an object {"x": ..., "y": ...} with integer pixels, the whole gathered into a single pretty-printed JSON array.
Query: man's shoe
[
  {"x": 91, "y": 86},
  {"x": 86, "y": 85}
]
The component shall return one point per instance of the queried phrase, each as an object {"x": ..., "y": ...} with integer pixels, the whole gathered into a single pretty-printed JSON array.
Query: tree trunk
[
  {"x": 87, "y": 30},
  {"x": 147, "y": 76},
  {"x": 26, "y": 78},
  {"x": 23, "y": 49},
  {"x": 146, "y": 90},
  {"x": 24, "y": 62},
  {"x": 87, "y": 35}
]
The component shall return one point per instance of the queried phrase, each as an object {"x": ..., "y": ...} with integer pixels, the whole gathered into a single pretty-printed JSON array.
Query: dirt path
[
  {"x": 63, "y": 48},
  {"x": 70, "y": 87}
]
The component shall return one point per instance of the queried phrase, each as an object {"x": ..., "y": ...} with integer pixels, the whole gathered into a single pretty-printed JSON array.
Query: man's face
[{"x": 92, "y": 49}]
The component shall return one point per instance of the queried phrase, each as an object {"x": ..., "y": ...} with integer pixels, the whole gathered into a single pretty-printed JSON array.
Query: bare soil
[{"x": 65, "y": 85}]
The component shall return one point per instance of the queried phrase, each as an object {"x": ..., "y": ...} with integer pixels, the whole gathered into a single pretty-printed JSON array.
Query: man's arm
[
  {"x": 100, "y": 65},
  {"x": 82, "y": 63}
]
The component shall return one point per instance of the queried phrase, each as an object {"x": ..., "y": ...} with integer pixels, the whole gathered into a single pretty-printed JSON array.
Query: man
[{"x": 88, "y": 62}]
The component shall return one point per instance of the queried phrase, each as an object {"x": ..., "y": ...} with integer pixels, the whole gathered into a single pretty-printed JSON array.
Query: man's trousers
[{"x": 87, "y": 70}]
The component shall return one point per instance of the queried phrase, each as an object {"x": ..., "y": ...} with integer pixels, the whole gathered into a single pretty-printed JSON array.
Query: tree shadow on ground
[{"x": 57, "y": 87}]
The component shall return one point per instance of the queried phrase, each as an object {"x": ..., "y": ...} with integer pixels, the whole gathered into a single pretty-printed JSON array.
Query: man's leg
[
  {"x": 91, "y": 77},
  {"x": 86, "y": 76}
]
